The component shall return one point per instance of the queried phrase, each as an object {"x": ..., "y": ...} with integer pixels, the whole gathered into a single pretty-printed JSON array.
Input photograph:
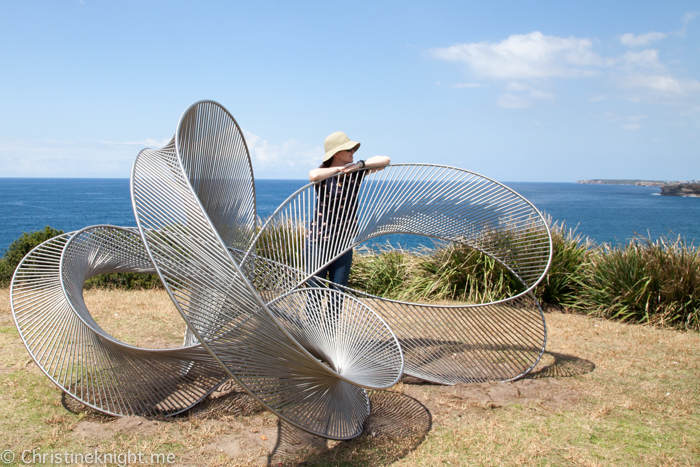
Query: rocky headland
[
  {"x": 668, "y": 188},
  {"x": 681, "y": 189},
  {"x": 603, "y": 181}
]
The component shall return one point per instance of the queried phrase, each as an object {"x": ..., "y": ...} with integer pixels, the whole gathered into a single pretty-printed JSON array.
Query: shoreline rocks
[{"x": 681, "y": 189}]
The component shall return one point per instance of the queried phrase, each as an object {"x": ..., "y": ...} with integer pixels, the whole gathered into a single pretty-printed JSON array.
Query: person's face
[{"x": 344, "y": 157}]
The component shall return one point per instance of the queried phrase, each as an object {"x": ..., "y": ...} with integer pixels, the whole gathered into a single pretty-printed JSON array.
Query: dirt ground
[{"x": 404, "y": 415}]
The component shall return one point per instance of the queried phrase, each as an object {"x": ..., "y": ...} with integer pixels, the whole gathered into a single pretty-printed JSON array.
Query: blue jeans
[{"x": 338, "y": 271}]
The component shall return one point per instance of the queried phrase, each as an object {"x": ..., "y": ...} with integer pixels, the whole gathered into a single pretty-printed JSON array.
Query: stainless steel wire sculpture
[{"x": 305, "y": 349}]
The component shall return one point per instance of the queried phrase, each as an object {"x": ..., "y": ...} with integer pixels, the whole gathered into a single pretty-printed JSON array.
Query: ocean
[{"x": 605, "y": 213}]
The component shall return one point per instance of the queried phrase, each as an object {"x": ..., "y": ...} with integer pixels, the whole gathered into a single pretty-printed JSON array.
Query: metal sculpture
[{"x": 253, "y": 310}]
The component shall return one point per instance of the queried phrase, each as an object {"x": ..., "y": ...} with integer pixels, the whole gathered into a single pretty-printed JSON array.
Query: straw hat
[{"x": 336, "y": 142}]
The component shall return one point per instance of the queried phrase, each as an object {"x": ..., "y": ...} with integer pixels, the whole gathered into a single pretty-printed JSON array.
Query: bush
[
  {"x": 454, "y": 272},
  {"x": 29, "y": 240},
  {"x": 19, "y": 249},
  {"x": 125, "y": 281},
  {"x": 645, "y": 281}
]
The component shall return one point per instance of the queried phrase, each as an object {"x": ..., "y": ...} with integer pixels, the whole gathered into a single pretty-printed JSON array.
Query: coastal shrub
[
  {"x": 283, "y": 241},
  {"x": 19, "y": 248},
  {"x": 29, "y": 240},
  {"x": 124, "y": 281},
  {"x": 561, "y": 284},
  {"x": 645, "y": 281}
]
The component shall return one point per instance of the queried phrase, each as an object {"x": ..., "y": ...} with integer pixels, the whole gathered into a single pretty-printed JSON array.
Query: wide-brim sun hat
[{"x": 336, "y": 142}]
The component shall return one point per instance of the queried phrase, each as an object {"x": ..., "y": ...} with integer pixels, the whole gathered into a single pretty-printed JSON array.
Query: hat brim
[{"x": 342, "y": 147}]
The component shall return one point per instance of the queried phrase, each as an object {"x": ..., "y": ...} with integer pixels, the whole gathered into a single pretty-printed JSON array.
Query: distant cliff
[
  {"x": 668, "y": 188},
  {"x": 681, "y": 189},
  {"x": 602, "y": 181}
]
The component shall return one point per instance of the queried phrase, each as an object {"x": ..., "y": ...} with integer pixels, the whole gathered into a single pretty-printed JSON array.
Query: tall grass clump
[
  {"x": 459, "y": 272},
  {"x": 282, "y": 240},
  {"x": 645, "y": 281},
  {"x": 384, "y": 271},
  {"x": 452, "y": 272},
  {"x": 570, "y": 250}
]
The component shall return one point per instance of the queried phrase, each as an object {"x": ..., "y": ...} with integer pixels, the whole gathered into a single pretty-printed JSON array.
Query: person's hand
[{"x": 347, "y": 168}]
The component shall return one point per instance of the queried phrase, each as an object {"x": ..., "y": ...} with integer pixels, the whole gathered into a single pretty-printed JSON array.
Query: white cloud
[
  {"x": 687, "y": 18},
  {"x": 515, "y": 86},
  {"x": 632, "y": 40},
  {"x": 627, "y": 122},
  {"x": 614, "y": 117},
  {"x": 690, "y": 15},
  {"x": 510, "y": 101},
  {"x": 467, "y": 85},
  {"x": 146, "y": 143},
  {"x": 62, "y": 158},
  {"x": 527, "y": 56},
  {"x": 542, "y": 95},
  {"x": 648, "y": 58},
  {"x": 291, "y": 155},
  {"x": 663, "y": 84}
]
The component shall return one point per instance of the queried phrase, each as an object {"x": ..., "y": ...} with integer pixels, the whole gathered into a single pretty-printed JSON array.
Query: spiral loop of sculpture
[
  {"x": 82, "y": 358},
  {"x": 304, "y": 348}
]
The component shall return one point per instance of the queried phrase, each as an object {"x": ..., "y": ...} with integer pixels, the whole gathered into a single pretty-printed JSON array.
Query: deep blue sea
[{"x": 605, "y": 213}]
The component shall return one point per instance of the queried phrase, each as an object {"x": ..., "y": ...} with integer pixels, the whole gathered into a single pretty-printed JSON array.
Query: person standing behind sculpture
[{"x": 335, "y": 216}]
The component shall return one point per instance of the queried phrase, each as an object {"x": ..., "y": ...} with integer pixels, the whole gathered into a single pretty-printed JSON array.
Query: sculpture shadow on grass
[
  {"x": 559, "y": 365},
  {"x": 397, "y": 426}
]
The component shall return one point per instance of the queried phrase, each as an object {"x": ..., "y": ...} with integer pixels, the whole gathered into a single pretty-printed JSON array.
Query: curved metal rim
[
  {"x": 544, "y": 343},
  {"x": 245, "y": 145},
  {"x": 532, "y": 295}
]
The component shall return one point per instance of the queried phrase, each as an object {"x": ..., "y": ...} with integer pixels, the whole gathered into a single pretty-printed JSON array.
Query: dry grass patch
[
  {"x": 605, "y": 393},
  {"x": 145, "y": 318}
]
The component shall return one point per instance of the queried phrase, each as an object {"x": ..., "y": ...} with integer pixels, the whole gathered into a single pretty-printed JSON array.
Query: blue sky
[{"x": 518, "y": 91}]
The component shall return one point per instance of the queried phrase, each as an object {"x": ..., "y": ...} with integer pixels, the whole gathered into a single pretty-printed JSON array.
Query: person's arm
[
  {"x": 322, "y": 173},
  {"x": 376, "y": 163}
]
